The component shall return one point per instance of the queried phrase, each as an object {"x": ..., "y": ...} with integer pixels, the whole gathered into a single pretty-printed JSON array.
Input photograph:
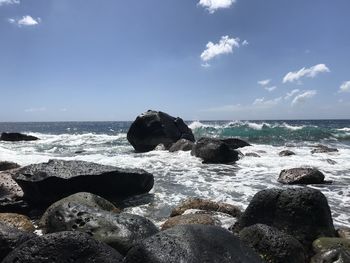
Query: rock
[
  {"x": 63, "y": 247},
  {"x": 10, "y": 238},
  {"x": 120, "y": 231},
  {"x": 8, "y": 166},
  {"x": 300, "y": 212},
  {"x": 324, "y": 244},
  {"x": 190, "y": 219},
  {"x": 16, "y": 137},
  {"x": 273, "y": 245},
  {"x": 235, "y": 143},
  {"x": 52, "y": 181},
  {"x": 181, "y": 145},
  {"x": 323, "y": 149},
  {"x": 79, "y": 151},
  {"x": 286, "y": 153},
  {"x": 301, "y": 176},
  {"x": 343, "y": 232},
  {"x": 333, "y": 256},
  {"x": 155, "y": 127},
  {"x": 86, "y": 199},
  {"x": 252, "y": 155},
  {"x": 208, "y": 205},
  {"x": 214, "y": 151},
  {"x": 192, "y": 243},
  {"x": 160, "y": 147},
  {"x": 21, "y": 222},
  {"x": 330, "y": 161}
]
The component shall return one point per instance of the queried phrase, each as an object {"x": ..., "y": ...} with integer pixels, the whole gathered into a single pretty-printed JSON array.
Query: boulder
[
  {"x": 190, "y": 219},
  {"x": 16, "y": 137},
  {"x": 21, "y": 222},
  {"x": 339, "y": 255},
  {"x": 63, "y": 247},
  {"x": 46, "y": 183},
  {"x": 273, "y": 245},
  {"x": 300, "y": 212},
  {"x": 120, "y": 231},
  {"x": 10, "y": 238},
  {"x": 214, "y": 151},
  {"x": 324, "y": 244},
  {"x": 8, "y": 166},
  {"x": 155, "y": 127},
  {"x": 301, "y": 176},
  {"x": 192, "y": 243},
  {"x": 252, "y": 155},
  {"x": 343, "y": 232},
  {"x": 235, "y": 143},
  {"x": 286, "y": 153},
  {"x": 181, "y": 145},
  {"x": 323, "y": 149}
]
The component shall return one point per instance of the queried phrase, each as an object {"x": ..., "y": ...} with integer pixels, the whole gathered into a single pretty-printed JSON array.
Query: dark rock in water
[
  {"x": 323, "y": 149},
  {"x": 181, "y": 145},
  {"x": 286, "y": 153},
  {"x": 86, "y": 199},
  {"x": 330, "y": 161},
  {"x": 235, "y": 143},
  {"x": 8, "y": 166},
  {"x": 161, "y": 147},
  {"x": 343, "y": 232},
  {"x": 214, "y": 151},
  {"x": 49, "y": 182},
  {"x": 192, "y": 243},
  {"x": 155, "y": 127},
  {"x": 252, "y": 155},
  {"x": 324, "y": 244},
  {"x": 301, "y": 212},
  {"x": 120, "y": 231},
  {"x": 301, "y": 176},
  {"x": 190, "y": 219},
  {"x": 79, "y": 151},
  {"x": 273, "y": 245},
  {"x": 15, "y": 137},
  {"x": 208, "y": 205},
  {"x": 18, "y": 221},
  {"x": 339, "y": 255},
  {"x": 10, "y": 238},
  {"x": 64, "y": 247}
]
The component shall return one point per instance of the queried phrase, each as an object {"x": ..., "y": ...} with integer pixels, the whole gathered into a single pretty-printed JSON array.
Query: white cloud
[
  {"x": 269, "y": 89},
  {"x": 264, "y": 82},
  {"x": 213, "y": 5},
  {"x": 225, "y": 46},
  {"x": 245, "y": 43},
  {"x": 266, "y": 103},
  {"x": 8, "y": 2},
  {"x": 345, "y": 87},
  {"x": 301, "y": 98},
  {"x": 35, "y": 109},
  {"x": 291, "y": 94},
  {"x": 25, "y": 21},
  {"x": 305, "y": 72}
]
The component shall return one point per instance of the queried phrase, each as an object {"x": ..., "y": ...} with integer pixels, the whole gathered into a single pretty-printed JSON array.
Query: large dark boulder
[
  {"x": 63, "y": 247},
  {"x": 192, "y": 244},
  {"x": 56, "y": 179},
  {"x": 155, "y": 127},
  {"x": 301, "y": 212},
  {"x": 273, "y": 245},
  {"x": 235, "y": 143},
  {"x": 120, "y": 231},
  {"x": 4, "y": 165},
  {"x": 15, "y": 137},
  {"x": 181, "y": 145},
  {"x": 301, "y": 176},
  {"x": 212, "y": 150}
]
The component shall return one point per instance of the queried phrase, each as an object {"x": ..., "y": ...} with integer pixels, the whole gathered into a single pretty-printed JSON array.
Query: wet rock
[
  {"x": 330, "y": 161},
  {"x": 15, "y": 137},
  {"x": 120, "y": 231},
  {"x": 181, "y": 145},
  {"x": 301, "y": 212},
  {"x": 286, "y": 153},
  {"x": 339, "y": 255},
  {"x": 324, "y": 244},
  {"x": 63, "y": 247},
  {"x": 80, "y": 152},
  {"x": 21, "y": 222},
  {"x": 214, "y": 151},
  {"x": 10, "y": 238},
  {"x": 160, "y": 147},
  {"x": 8, "y": 166},
  {"x": 235, "y": 143},
  {"x": 192, "y": 243},
  {"x": 301, "y": 176},
  {"x": 52, "y": 181},
  {"x": 252, "y": 155},
  {"x": 190, "y": 219},
  {"x": 273, "y": 245},
  {"x": 208, "y": 205},
  {"x": 343, "y": 232},
  {"x": 323, "y": 149},
  {"x": 155, "y": 127}
]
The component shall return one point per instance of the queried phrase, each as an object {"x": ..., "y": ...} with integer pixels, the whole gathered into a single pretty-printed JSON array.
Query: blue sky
[{"x": 63, "y": 60}]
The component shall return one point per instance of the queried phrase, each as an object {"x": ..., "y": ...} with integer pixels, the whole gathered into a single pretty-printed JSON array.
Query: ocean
[{"x": 180, "y": 175}]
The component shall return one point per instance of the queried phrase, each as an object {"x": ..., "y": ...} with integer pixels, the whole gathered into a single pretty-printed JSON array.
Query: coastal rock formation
[
  {"x": 192, "y": 243},
  {"x": 235, "y": 143},
  {"x": 8, "y": 166},
  {"x": 63, "y": 247},
  {"x": 190, "y": 219},
  {"x": 181, "y": 145},
  {"x": 155, "y": 127},
  {"x": 286, "y": 153},
  {"x": 273, "y": 245},
  {"x": 323, "y": 149},
  {"x": 120, "y": 231},
  {"x": 324, "y": 244},
  {"x": 48, "y": 182},
  {"x": 10, "y": 194},
  {"x": 301, "y": 176},
  {"x": 214, "y": 151},
  {"x": 331, "y": 250},
  {"x": 16, "y": 137},
  {"x": 18, "y": 221}
]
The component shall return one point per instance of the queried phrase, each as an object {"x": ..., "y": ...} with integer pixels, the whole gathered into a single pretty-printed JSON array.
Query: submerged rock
[
  {"x": 8, "y": 165},
  {"x": 286, "y": 153},
  {"x": 189, "y": 219},
  {"x": 181, "y": 145},
  {"x": 301, "y": 176},
  {"x": 49, "y": 182},
  {"x": 18, "y": 221},
  {"x": 323, "y": 149},
  {"x": 330, "y": 161},
  {"x": 155, "y": 127},
  {"x": 15, "y": 137},
  {"x": 64, "y": 247},
  {"x": 192, "y": 243},
  {"x": 252, "y": 155}
]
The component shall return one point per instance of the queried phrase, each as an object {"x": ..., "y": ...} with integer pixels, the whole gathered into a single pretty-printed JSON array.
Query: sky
[{"x": 110, "y": 60}]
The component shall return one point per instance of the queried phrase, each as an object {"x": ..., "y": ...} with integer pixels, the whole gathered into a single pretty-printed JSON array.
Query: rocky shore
[{"x": 73, "y": 211}]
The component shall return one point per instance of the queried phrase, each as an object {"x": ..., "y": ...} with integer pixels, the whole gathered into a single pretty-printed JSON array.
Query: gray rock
[
  {"x": 339, "y": 255},
  {"x": 8, "y": 166},
  {"x": 235, "y": 143},
  {"x": 323, "y": 149},
  {"x": 286, "y": 153},
  {"x": 330, "y": 161},
  {"x": 252, "y": 155},
  {"x": 15, "y": 137},
  {"x": 301, "y": 176},
  {"x": 181, "y": 145}
]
